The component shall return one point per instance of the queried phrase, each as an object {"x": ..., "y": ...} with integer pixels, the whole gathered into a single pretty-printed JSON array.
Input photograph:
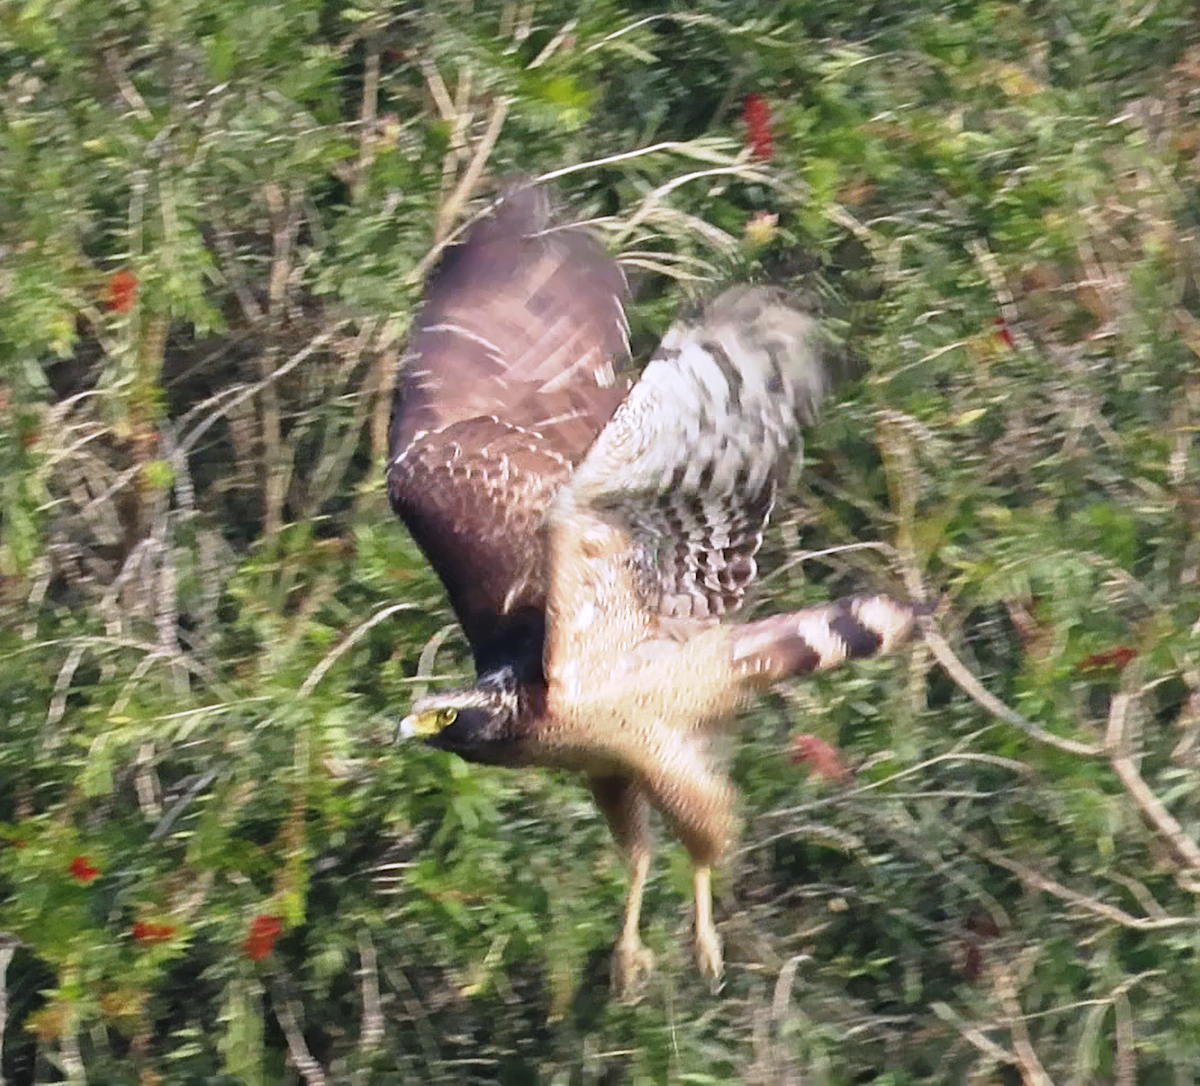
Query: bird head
[
  {"x": 474, "y": 723},
  {"x": 432, "y": 715}
]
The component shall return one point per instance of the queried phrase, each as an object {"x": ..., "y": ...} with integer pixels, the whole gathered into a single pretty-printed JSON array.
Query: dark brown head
[{"x": 477, "y": 723}]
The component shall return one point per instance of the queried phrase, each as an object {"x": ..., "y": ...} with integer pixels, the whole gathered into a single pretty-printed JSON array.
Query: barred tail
[{"x": 801, "y": 642}]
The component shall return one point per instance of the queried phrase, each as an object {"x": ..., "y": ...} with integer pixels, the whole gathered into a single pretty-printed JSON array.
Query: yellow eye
[{"x": 446, "y": 717}]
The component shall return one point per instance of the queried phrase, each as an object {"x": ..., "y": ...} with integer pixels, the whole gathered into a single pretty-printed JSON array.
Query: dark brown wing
[{"x": 508, "y": 378}]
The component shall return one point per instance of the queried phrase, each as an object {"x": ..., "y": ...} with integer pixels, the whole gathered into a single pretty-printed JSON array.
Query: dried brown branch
[
  {"x": 234, "y": 396},
  {"x": 438, "y": 90},
  {"x": 1032, "y": 1070},
  {"x": 974, "y": 689},
  {"x": 1037, "y": 881},
  {"x": 302, "y": 1059},
  {"x": 1186, "y": 850},
  {"x": 116, "y": 68},
  {"x": 368, "y": 111},
  {"x": 275, "y": 470},
  {"x": 149, "y": 791},
  {"x": 8, "y": 946},
  {"x": 383, "y": 375},
  {"x": 552, "y": 46},
  {"x": 231, "y": 268},
  {"x": 71, "y": 1056},
  {"x": 652, "y": 201},
  {"x": 975, "y": 1036},
  {"x": 155, "y": 651},
  {"x": 452, "y": 207},
  {"x": 372, "y": 1019},
  {"x": 704, "y": 150},
  {"x": 1126, "y": 1061}
]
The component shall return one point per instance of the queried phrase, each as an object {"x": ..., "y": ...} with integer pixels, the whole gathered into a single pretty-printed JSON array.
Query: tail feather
[{"x": 817, "y": 638}]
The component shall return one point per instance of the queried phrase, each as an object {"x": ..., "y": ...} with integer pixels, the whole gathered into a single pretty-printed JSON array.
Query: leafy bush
[{"x": 216, "y": 866}]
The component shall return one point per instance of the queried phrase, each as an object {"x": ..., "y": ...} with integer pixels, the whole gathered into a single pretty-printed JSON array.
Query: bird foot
[
  {"x": 708, "y": 955},
  {"x": 632, "y": 964}
]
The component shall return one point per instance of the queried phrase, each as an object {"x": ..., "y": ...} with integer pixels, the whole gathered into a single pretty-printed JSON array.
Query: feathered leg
[
  {"x": 627, "y": 811},
  {"x": 696, "y": 798}
]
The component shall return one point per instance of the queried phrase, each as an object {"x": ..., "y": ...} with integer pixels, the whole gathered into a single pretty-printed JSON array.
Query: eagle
[{"x": 595, "y": 532}]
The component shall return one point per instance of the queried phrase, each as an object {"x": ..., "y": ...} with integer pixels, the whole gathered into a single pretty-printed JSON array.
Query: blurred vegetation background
[{"x": 976, "y": 862}]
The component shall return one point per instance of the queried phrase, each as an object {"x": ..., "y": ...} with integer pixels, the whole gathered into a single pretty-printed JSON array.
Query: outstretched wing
[
  {"x": 664, "y": 516},
  {"x": 507, "y": 380}
]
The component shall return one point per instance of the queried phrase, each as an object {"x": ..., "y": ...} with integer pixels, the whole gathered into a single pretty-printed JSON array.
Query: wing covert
[
  {"x": 508, "y": 377},
  {"x": 690, "y": 462}
]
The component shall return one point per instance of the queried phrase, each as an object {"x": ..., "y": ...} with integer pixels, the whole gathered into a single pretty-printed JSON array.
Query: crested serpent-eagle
[{"x": 593, "y": 532}]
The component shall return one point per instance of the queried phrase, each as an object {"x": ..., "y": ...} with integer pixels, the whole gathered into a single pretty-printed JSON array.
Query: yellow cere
[{"x": 430, "y": 722}]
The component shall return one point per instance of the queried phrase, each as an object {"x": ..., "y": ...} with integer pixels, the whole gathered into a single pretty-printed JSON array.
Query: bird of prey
[{"x": 593, "y": 533}]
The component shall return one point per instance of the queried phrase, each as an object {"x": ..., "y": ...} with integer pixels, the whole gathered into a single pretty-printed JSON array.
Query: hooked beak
[{"x": 418, "y": 726}]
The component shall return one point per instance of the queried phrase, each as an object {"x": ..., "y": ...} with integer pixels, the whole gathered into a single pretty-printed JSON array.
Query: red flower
[
  {"x": 757, "y": 117},
  {"x": 82, "y": 870},
  {"x": 122, "y": 291},
  {"x": 822, "y": 759},
  {"x": 148, "y": 931},
  {"x": 1117, "y": 658},
  {"x": 1002, "y": 332},
  {"x": 264, "y": 930}
]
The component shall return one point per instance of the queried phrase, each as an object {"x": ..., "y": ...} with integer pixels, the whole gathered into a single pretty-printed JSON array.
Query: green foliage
[{"x": 215, "y": 863}]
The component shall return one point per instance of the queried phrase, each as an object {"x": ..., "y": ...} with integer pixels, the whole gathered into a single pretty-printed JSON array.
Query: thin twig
[
  {"x": 146, "y": 782},
  {"x": 449, "y": 211},
  {"x": 1034, "y": 1074},
  {"x": 372, "y": 1019},
  {"x": 117, "y": 70},
  {"x": 249, "y": 391},
  {"x": 304, "y": 1061},
  {"x": 783, "y": 986},
  {"x": 62, "y": 687},
  {"x": 344, "y": 646},
  {"x": 1123, "y": 765},
  {"x": 8, "y": 946},
  {"x": 552, "y": 46},
  {"x": 284, "y": 224},
  {"x": 437, "y": 89},
  {"x": 656, "y": 196},
  {"x": 853, "y": 793},
  {"x": 71, "y": 1056},
  {"x": 367, "y": 114},
  {"x": 117, "y": 643},
  {"x": 172, "y": 816},
  {"x": 703, "y": 150},
  {"x": 974, "y": 689},
  {"x": 975, "y": 1035},
  {"x": 1126, "y": 1061},
  {"x": 1038, "y": 881}
]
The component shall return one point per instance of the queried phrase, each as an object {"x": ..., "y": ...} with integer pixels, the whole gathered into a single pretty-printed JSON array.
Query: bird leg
[
  {"x": 626, "y": 808},
  {"x": 708, "y": 942},
  {"x": 696, "y": 799},
  {"x": 632, "y": 962}
]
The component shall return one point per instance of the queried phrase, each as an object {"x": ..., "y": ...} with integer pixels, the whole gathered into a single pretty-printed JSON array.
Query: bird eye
[{"x": 446, "y": 717}]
